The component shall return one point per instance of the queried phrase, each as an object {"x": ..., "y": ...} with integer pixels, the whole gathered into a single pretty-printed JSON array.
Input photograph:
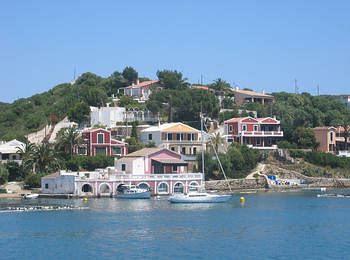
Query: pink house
[
  {"x": 100, "y": 142},
  {"x": 160, "y": 169},
  {"x": 259, "y": 133}
]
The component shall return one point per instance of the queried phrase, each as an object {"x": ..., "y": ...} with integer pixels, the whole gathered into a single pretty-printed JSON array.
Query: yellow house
[{"x": 177, "y": 137}]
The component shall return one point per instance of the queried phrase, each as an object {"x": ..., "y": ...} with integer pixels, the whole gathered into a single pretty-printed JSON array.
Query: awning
[{"x": 170, "y": 162}]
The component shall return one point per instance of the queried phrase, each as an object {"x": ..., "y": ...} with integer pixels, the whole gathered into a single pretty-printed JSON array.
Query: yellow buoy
[
  {"x": 85, "y": 199},
  {"x": 242, "y": 200}
]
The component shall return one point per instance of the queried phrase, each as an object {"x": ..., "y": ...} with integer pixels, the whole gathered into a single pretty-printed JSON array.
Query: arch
[
  {"x": 105, "y": 188},
  {"x": 163, "y": 187},
  {"x": 179, "y": 187},
  {"x": 143, "y": 185},
  {"x": 194, "y": 186},
  {"x": 120, "y": 187},
  {"x": 87, "y": 188}
]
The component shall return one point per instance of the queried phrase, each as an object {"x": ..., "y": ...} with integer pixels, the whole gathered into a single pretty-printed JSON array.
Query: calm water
[{"x": 293, "y": 225}]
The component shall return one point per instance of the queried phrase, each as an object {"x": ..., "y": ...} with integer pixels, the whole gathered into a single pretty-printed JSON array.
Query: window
[
  {"x": 194, "y": 150},
  {"x": 230, "y": 128},
  {"x": 123, "y": 167},
  {"x": 331, "y": 136},
  {"x": 269, "y": 141},
  {"x": 174, "y": 168},
  {"x": 179, "y": 188},
  {"x": 244, "y": 128},
  {"x": 100, "y": 150},
  {"x": 172, "y": 148},
  {"x": 255, "y": 128},
  {"x": 100, "y": 138},
  {"x": 230, "y": 140},
  {"x": 149, "y": 136},
  {"x": 117, "y": 150},
  {"x": 81, "y": 150},
  {"x": 178, "y": 136},
  {"x": 170, "y": 136},
  {"x": 182, "y": 136},
  {"x": 46, "y": 185},
  {"x": 163, "y": 188},
  {"x": 189, "y": 137},
  {"x": 258, "y": 141},
  {"x": 192, "y": 136},
  {"x": 183, "y": 150}
]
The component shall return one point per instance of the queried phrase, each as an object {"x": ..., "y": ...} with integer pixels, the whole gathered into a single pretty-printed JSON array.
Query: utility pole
[{"x": 296, "y": 87}]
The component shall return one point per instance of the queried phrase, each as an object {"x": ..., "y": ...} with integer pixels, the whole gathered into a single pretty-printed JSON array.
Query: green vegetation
[
  {"x": 4, "y": 174},
  {"x": 89, "y": 163},
  {"x": 237, "y": 162}
]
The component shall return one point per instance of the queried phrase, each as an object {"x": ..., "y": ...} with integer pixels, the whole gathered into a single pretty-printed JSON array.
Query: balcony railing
[
  {"x": 262, "y": 133},
  {"x": 119, "y": 176}
]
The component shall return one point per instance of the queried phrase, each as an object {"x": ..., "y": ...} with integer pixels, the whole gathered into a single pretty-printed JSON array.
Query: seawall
[{"x": 237, "y": 184}]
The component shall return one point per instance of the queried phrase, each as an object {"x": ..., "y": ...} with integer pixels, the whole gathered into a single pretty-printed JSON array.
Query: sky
[{"x": 255, "y": 44}]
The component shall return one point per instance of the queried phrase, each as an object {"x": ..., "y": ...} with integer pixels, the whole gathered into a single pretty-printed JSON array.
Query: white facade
[
  {"x": 107, "y": 116},
  {"x": 9, "y": 151}
]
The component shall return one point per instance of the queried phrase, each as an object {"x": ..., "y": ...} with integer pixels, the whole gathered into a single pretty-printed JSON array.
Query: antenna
[
  {"x": 201, "y": 79},
  {"x": 318, "y": 90},
  {"x": 74, "y": 73},
  {"x": 296, "y": 87}
]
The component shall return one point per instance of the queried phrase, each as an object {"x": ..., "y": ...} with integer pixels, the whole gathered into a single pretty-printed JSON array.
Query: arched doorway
[
  {"x": 104, "y": 188},
  {"x": 163, "y": 188},
  {"x": 179, "y": 187},
  {"x": 143, "y": 186},
  {"x": 193, "y": 186},
  {"x": 121, "y": 187},
  {"x": 86, "y": 188}
]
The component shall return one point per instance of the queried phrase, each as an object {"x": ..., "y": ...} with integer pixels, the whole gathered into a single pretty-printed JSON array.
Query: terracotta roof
[
  {"x": 51, "y": 176},
  {"x": 93, "y": 130},
  {"x": 236, "y": 119},
  {"x": 202, "y": 87},
  {"x": 323, "y": 128},
  {"x": 144, "y": 152},
  {"x": 171, "y": 161},
  {"x": 126, "y": 159},
  {"x": 143, "y": 84},
  {"x": 251, "y": 93},
  {"x": 173, "y": 127}
]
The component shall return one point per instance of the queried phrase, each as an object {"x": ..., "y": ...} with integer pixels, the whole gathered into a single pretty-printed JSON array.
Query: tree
[
  {"x": 217, "y": 140},
  {"x": 134, "y": 129},
  {"x": 79, "y": 112},
  {"x": 220, "y": 86},
  {"x": 130, "y": 74},
  {"x": 67, "y": 138},
  {"x": 172, "y": 79},
  {"x": 4, "y": 174},
  {"x": 305, "y": 138},
  {"x": 346, "y": 125},
  {"x": 44, "y": 158},
  {"x": 126, "y": 101}
]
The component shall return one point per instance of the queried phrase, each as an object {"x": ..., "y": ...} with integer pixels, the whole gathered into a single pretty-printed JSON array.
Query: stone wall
[{"x": 237, "y": 184}]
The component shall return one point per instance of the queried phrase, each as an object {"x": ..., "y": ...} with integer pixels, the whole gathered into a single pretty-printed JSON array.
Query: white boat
[
  {"x": 30, "y": 196},
  {"x": 196, "y": 196},
  {"x": 199, "y": 197},
  {"x": 132, "y": 192}
]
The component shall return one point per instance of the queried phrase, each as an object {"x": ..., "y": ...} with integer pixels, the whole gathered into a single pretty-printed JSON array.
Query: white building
[{"x": 9, "y": 151}]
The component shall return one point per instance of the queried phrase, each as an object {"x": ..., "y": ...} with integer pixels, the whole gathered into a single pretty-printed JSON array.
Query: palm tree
[
  {"x": 67, "y": 138},
  {"x": 26, "y": 153},
  {"x": 217, "y": 140},
  {"x": 220, "y": 86},
  {"x": 346, "y": 126},
  {"x": 43, "y": 157}
]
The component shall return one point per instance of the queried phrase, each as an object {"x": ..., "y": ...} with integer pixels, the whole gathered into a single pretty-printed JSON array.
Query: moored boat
[
  {"x": 132, "y": 192},
  {"x": 199, "y": 197},
  {"x": 30, "y": 196}
]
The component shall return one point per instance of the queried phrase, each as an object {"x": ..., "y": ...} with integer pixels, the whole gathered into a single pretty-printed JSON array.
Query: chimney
[
  {"x": 137, "y": 81},
  {"x": 236, "y": 87},
  {"x": 107, "y": 104},
  {"x": 263, "y": 91}
]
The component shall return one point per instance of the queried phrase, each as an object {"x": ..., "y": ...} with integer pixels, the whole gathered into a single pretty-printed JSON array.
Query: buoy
[
  {"x": 85, "y": 199},
  {"x": 242, "y": 200}
]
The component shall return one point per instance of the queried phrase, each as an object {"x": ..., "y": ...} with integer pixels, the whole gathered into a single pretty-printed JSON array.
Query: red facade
[
  {"x": 100, "y": 142},
  {"x": 256, "y": 132}
]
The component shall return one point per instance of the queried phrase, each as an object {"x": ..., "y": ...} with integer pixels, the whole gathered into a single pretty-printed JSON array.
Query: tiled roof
[
  {"x": 126, "y": 159},
  {"x": 323, "y": 127},
  {"x": 175, "y": 127},
  {"x": 251, "y": 93},
  {"x": 93, "y": 130},
  {"x": 143, "y": 84},
  {"x": 144, "y": 152},
  {"x": 236, "y": 119},
  {"x": 171, "y": 161},
  {"x": 202, "y": 87},
  {"x": 51, "y": 176}
]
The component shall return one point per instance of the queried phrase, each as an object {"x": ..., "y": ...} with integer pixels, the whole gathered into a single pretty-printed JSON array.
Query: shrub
[
  {"x": 284, "y": 144},
  {"x": 33, "y": 180},
  {"x": 297, "y": 153},
  {"x": 4, "y": 174}
]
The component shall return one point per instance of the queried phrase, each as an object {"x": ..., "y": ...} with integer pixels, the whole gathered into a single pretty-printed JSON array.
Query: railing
[
  {"x": 149, "y": 177},
  {"x": 262, "y": 133},
  {"x": 344, "y": 153}
]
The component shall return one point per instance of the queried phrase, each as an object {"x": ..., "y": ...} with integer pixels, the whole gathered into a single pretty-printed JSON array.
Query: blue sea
[{"x": 270, "y": 225}]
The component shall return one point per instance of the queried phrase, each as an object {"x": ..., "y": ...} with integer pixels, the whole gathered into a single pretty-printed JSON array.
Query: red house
[
  {"x": 100, "y": 142},
  {"x": 258, "y": 133}
]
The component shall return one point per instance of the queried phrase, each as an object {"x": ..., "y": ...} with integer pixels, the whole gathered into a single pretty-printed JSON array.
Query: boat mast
[{"x": 203, "y": 174}]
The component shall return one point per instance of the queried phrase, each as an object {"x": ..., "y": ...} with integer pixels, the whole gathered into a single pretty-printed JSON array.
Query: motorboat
[
  {"x": 199, "y": 197},
  {"x": 30, "y": 196},
  {"x": 133, "y": 192}
]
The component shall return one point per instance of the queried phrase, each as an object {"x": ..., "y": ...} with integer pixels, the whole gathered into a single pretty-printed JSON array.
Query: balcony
[{"x": 262, "y": 133}]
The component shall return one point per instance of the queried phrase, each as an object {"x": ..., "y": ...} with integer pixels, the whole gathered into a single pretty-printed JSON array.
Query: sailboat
[{"x": 195, "y": 196}]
